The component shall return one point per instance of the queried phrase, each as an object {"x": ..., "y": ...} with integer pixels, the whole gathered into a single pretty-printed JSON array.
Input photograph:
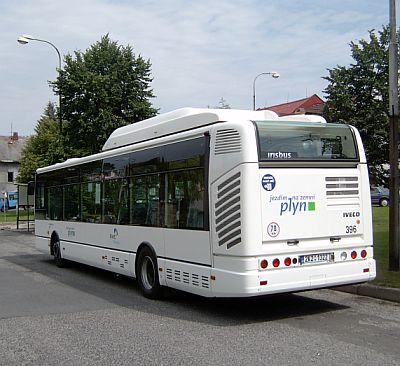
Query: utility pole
[{"x": 393, "y": 143}]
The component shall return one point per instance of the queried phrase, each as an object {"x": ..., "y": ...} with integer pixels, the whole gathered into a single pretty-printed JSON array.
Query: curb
[
  {"x": 378, "y": 292},
  {"x": 13, "y": 227}
]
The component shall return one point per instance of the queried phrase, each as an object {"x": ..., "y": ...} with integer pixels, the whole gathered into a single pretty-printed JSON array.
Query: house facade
[{"x": 10, "y": 157}]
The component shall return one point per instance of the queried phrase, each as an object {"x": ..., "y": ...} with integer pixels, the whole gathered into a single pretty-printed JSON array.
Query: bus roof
[
  {"x": 186, "y": 119},
  {"x": 176, "y": 121}
]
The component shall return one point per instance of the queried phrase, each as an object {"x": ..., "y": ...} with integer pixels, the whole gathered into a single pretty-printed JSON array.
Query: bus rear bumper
[{"x": 273, "y": 281}]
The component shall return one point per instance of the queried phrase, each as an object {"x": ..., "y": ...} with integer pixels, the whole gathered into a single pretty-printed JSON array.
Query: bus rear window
[{"x": 304, "y": 141}]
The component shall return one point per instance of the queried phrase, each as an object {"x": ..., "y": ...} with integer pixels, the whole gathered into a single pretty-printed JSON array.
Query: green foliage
[
  {"x": 10, "y": 216},
  {"x": 43, "y": 148},
  {"x": 358, "y": 95},
  {"x": 102, "y": 89},
  {"x": 381, "y": 249}
]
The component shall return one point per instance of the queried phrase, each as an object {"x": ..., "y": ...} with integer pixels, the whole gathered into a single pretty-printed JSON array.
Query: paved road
[{"x": 83, "y": 316}]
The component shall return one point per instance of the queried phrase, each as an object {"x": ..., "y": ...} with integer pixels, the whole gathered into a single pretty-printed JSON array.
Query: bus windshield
[{"x": 300, "y": 141}]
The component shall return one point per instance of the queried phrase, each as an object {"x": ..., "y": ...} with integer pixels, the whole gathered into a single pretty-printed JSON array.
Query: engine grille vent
[
  {"x": 227, "y": 141},
  {"x": 187, "y": 278},
  {"x": 227, "y": 212}
]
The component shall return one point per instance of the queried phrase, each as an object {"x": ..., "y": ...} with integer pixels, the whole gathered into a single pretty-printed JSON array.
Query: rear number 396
[{"x": 351, "y": 229}]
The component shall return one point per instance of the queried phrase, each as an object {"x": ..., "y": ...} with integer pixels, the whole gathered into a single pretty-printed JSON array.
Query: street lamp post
[
  {"x": 394, "y": 234},
  {"x": 274, "y": 74},
  {"x": 24, "y": 39}
]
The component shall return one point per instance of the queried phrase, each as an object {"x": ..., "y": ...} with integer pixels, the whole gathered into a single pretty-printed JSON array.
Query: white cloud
[{"x": 200, "y": 51}]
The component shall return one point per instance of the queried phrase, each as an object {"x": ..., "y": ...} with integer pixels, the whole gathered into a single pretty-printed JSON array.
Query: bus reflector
[
  {"x": 264, "y": 264},
  {"x": 263, "y": 283},
  {"x": 354, "y": 254},
  {"x": 288, "y": 262},
  {"x": 366, "y": 270},
  {"x": 276, "y": 262}
]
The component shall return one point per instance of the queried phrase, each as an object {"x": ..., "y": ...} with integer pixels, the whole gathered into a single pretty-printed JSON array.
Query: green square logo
[{"x": 311, "y": 206}]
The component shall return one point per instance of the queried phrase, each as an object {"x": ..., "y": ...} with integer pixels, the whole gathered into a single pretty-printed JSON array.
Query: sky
[{"x": 200, "y": 51}]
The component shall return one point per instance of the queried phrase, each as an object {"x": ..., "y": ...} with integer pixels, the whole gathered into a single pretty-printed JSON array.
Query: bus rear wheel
[{"x": 147, "y": 274}]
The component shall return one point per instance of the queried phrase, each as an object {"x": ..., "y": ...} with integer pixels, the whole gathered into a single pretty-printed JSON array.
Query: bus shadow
[
  {"x": 233, "y": 311},
  {"x": 123, "y": 291}
]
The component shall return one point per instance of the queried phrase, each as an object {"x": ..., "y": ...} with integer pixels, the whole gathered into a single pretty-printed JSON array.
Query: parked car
[
  {"x": 380, "y": 196},
  {"x": 9, "y": 200}
]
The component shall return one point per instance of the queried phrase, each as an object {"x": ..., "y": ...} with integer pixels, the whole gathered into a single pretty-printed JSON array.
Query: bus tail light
[
  {"x": 363, "y": 253},
  {"x": 288, "y": 262},
  {"x": 353, "y": 254},
  {"x": 264, "y": 264},
  {"x": 276, "y": 263}
]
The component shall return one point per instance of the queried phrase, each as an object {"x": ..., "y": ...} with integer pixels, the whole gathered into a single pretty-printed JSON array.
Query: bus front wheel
[
  {"x": 58, "y": 259},
  {"x": 147, "y": 274}
]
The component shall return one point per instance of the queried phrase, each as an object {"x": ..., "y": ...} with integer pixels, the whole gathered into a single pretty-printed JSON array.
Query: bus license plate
[{"x": 316, "y": 258}]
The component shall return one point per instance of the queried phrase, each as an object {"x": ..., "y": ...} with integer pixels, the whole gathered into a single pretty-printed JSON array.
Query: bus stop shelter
[{"x": 26, "y": 203}]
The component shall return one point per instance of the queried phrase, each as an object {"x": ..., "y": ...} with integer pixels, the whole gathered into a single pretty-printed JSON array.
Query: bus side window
[
  {"x": 185, "y": 199},
  {"x": 91, "y": 201},
  {"x": 138, "y": 201},
  {"x": 71, "y": 202},
  {"x": 145, "y": 202},
  {"x": 115, "y": 202},
  {"x": 195, "y": 215},
  {"x": 153, "y": 201},
  {"x": 40, "y": 200},
  {"x": 54, "y": 202}
]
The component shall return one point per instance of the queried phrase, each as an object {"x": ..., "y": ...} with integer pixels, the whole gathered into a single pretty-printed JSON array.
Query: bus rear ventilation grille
[
  {"x": 341, "y": 186},
  {"x": 227, "y": 141},
  {"x": 227, "y": 212}
]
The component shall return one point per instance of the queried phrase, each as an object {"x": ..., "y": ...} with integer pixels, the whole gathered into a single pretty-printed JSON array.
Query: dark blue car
[{"x": 380, "y": 196}]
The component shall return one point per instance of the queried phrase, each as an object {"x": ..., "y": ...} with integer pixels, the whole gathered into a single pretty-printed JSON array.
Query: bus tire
[
  {"x": 147, "y": 274},
  {"x": 58, "y": 259}
]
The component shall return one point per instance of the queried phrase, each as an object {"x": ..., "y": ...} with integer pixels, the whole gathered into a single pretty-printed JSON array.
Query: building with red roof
[{"x": 310, "y": 105}]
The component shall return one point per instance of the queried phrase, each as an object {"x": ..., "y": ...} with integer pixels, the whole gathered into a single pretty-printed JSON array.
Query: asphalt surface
[{"x": 83, "y": 316}]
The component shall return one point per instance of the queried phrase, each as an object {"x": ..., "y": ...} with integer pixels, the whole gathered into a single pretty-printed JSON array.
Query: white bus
[{"x": 220, "y": 203}]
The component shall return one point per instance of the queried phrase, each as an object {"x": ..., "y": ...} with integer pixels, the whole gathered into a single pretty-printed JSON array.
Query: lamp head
[
  {"x": 24, "y": 39},
  {"x": 275, "y": 75}
]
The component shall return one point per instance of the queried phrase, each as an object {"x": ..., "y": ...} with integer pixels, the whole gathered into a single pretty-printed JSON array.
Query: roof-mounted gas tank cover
[{"x": 189, "y": 118}]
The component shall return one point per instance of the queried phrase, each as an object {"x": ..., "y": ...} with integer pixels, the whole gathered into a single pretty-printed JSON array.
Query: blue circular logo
[{"x": 268, "y": 182}]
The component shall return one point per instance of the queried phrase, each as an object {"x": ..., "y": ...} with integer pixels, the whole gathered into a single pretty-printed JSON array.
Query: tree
[
  {"x": 358, "y": 95},
  {"x": 102, "y": 89},
  {"x": 222, "y": 104},
  {"x": 43, "y": 148}
]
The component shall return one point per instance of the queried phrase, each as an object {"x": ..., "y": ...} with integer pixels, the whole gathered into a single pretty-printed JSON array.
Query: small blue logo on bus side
[
  {"x": 268, "y": 182},
  {"x": 114, "y": 234}
]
